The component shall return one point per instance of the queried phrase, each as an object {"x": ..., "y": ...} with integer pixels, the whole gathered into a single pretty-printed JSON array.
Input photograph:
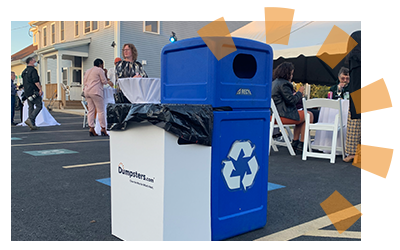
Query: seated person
[
  {"x": 285, "y": 101},
  {"x": 315, "y": 111},
  {"x": 342, "y": 84}
]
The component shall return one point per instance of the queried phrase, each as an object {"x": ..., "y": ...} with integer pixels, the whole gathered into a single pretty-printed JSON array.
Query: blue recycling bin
[{"x": 238, "y": 87}]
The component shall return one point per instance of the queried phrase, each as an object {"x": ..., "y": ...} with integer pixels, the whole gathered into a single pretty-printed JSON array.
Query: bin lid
[{"x": 241, "y": 43}]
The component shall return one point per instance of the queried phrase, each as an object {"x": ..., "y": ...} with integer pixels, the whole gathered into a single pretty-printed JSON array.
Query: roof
[{"x": 24, "y": 53}]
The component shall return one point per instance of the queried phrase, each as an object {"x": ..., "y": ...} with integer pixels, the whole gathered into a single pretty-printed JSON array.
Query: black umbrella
[{"x": 313, "y": 70}]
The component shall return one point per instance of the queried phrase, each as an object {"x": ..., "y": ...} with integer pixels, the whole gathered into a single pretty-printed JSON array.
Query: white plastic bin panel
[{"x": 159, "y": 190}]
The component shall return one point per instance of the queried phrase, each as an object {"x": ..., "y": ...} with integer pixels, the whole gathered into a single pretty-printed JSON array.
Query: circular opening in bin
[{"x": 244, "y": 66}]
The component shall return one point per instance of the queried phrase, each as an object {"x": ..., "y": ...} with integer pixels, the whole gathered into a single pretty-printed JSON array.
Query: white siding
[
  {"x": 149, "y": 45},
  {"x": 100, "y": 46}
]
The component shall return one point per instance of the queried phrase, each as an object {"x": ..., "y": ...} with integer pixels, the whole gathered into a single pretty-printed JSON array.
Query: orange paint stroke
[
  {"x": 375, "y": 160},
  {"x": 218, "y": 39},
  {"x": 336, "y": 46},
  {"x": 340, "y": 211},
  {"x": 376, "y": 91},
  {"x": 278, "y": 24}
]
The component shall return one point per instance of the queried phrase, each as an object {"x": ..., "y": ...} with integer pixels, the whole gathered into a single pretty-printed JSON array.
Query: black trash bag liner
[{"x": 191, "y": 123}]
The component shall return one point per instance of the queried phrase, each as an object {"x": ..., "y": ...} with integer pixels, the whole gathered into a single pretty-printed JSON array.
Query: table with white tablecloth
[
  {"x": 43, "y": 119},
  {"x": 327, "y": 115},
  {"x": 141, "y": 90}
]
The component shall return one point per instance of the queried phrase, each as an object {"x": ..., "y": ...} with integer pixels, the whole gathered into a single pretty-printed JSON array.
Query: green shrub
[{"x": 316, "y": 91}]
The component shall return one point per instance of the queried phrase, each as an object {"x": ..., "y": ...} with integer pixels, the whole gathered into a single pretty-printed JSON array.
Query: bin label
[
  {"x": 241, "y": 167},
  {"x": 243, "y": 92}
]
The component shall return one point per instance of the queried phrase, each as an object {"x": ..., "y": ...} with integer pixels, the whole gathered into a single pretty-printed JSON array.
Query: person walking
[
  {"x": 32, "y": 91},
  {"x": 93, "y": 82}
]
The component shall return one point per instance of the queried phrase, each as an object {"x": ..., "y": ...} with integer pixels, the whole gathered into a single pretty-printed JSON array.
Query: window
[
  {"x": 76, "y": 28},
  {"x": 44, "y": 36},
  {"x": 91, "y": 26},
  {"x": 77, "y": 76},
  {"x": 62, "y": 31},
  {"x": 151, "y": 27},
  {"x": 94, "y": 25},
  {"x": 35, "y": 38},
  {"x": 87, "y": 27},
  {"x": 107, "y": 24},
  {"x": 53, "y": 33},
  {"x": 48, "y": 77}
]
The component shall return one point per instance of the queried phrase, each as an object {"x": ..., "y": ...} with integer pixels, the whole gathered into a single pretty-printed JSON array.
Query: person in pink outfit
[{"x": 93, "y": 82}]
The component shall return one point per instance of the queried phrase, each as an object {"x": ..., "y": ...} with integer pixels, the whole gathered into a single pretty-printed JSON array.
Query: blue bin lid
[{"x": 242, "y": 43}]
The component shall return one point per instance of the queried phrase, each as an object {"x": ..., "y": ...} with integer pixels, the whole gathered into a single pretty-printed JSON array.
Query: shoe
[
  {"x": 299, "y": 147},
  {"x": 13, "y": 123},
  {"x": 349, "y": 158},
  {"x": 34, "y": 127},
  {"x": 29, "y": 123},
  {"x": 92, "y": 132},
  {"x": 295, "y": 143},
  {"x": 104, "y": 132}
]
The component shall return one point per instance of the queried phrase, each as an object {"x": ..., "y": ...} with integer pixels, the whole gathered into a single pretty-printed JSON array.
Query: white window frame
[
  {"x": 151, "y": 32},
  {"x": 84, "y": 27},
  {"x": 45, "y": 36},
  {"x": 91, "y": 27},
  {"x": 35, "y": 38},
  {"x": 62, "y": 30},
  {"x": 51, "y": 33},
  {"x": 48, "y": 77},
  {"x": 76, "y": 28}
]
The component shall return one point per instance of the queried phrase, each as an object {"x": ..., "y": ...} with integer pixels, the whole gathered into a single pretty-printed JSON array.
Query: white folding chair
[
  {"x": 336, "y": 127},
  {"x": 84, "y": 104},
  {"x": 285, "y": 130}
]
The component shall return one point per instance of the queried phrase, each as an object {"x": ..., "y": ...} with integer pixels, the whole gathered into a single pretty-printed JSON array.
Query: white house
[{"x": 66, "y": 49}]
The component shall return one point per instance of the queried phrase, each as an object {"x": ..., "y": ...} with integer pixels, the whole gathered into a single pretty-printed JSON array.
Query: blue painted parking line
[
  {"x": 273, "y": 186},
  {"x": 50, "y": 152},
  {"x": 106, "y": 181},
  {"x": 15, "y": 139}
]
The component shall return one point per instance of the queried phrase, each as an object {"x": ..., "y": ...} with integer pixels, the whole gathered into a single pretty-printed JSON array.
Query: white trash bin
[{"x": 160, "y": 190}]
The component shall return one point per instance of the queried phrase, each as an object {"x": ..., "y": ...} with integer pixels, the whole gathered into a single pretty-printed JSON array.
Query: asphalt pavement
[{"x": 58, "y": 195}]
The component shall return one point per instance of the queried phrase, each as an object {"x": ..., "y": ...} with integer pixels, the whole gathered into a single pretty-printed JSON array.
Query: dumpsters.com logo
[{"x": 133, "y": 174}]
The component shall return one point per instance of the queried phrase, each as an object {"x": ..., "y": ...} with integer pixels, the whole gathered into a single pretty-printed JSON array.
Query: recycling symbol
[{"x": 241, "y": 167}]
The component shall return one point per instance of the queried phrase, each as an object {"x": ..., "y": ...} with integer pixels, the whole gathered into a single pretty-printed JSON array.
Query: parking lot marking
[
  {"x": 273, "y": 186},
  {"x": 15, "y": 139},
  {"x": 300, "y": 230},
  {"x": 56, "y": 142},
  {"x": 334, "y": 234},
  {"x": 106, "y": 181},
  {"x": 49, "y": 131},
  {"x": 87, "y": 165},
  {"x": 50, "y": 152}
]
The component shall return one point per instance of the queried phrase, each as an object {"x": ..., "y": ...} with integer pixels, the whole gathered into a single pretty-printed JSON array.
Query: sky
[{"x": 20, "y": 38}]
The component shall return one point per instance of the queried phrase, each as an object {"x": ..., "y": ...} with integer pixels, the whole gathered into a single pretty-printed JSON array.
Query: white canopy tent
[{"x": 306, "y": 37}]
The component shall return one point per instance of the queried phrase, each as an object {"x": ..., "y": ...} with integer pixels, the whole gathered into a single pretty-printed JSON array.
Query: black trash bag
[
  {"x": 191, "y": 123},
  {"x": 116, "y": 114}
]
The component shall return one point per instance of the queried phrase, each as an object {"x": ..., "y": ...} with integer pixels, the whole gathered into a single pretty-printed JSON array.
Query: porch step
[
  {"x": 69, "y": 104},
  {"x": 73, "y": 105}
]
